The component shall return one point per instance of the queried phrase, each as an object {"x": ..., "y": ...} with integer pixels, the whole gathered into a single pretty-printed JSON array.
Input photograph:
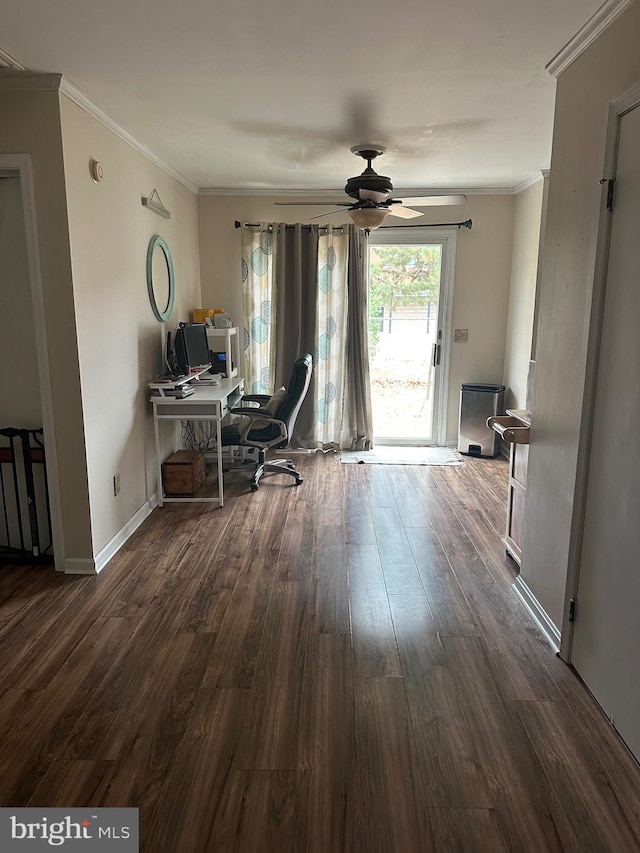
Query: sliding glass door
[{"x": 410, "y": 274}]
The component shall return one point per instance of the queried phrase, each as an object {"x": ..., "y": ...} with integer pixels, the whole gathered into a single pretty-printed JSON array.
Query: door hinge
[
  {"x": 572, "y": 610},
  {"x": 611, "y": 184}
]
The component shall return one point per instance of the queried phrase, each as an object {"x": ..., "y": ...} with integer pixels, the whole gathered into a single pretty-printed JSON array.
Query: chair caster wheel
[
  {"x": 254, "y": 487},
  {"x": 298, "y": 481}
]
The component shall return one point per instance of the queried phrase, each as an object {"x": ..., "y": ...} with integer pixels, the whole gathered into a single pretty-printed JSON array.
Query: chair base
[
  {"x": 278, "y": 466},
  {"x": 273, "y": 466}
]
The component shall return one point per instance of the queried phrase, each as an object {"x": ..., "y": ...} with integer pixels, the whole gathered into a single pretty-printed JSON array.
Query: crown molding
[
  {"x": 12, "y": 80},
  {"x": 80, "y": 99},
  {"x": 531, "y": 180},
  {"x": 329, "y": 194},
  {"x": 7, "y": 61},
  {"x": 585, "y": 36}
]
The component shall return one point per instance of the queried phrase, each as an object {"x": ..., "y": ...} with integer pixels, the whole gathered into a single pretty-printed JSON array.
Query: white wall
[
  {"x": 522, "y": 293},
  {"x": 481, "y": 289},
  {"x": 607, "y": 69},
  {"x": 119, "y": 339}
]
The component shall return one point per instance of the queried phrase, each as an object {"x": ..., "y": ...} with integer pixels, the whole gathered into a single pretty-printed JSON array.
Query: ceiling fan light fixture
[{"x": 368, "y": 218}]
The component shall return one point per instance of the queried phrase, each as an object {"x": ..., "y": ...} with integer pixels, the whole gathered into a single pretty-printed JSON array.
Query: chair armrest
[
  {"x": 263, "y": 415},
  {"x": 251, "y": 412},
  {"x": 255, "y": 398}
]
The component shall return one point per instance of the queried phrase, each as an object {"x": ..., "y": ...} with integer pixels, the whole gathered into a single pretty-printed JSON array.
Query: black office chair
[{"x": 270, "y": 426}]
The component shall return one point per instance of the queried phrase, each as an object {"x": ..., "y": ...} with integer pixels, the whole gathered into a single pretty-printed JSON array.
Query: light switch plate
[{"x": 461, "y": 336}]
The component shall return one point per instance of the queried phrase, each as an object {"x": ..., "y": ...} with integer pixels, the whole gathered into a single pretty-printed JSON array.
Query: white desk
[{"x": 206, "y": 404}]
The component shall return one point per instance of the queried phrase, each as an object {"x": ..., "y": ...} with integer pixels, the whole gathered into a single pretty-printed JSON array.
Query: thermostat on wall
[{"x": 97, "y": 170}]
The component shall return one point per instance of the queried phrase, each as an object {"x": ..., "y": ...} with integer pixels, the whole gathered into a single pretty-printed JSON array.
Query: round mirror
[{"x": 160, "y": 278}]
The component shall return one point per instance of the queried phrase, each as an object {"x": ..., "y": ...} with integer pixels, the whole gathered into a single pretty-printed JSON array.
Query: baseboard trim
[
  {"x": 97, "y": 564},
  {"x": 73, "y": 566},
  {"x": 538, "y": 613}
]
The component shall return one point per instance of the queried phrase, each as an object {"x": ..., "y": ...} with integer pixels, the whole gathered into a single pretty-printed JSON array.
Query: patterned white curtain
[
  {"x": 258, "y": 308},
  {"x": 333, "y": 256}
]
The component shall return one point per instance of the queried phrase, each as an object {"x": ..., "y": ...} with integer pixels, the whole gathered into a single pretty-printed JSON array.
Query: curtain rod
[
  {"x": 239, "y": 224},
  {"x": 466, "y": 224}
]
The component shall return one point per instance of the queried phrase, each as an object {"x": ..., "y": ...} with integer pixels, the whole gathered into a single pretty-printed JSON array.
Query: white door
[{"x": 606, "y": 639}]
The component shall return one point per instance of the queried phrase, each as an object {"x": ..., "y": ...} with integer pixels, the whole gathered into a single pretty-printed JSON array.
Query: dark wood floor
[{"x": 341, "y": 666}]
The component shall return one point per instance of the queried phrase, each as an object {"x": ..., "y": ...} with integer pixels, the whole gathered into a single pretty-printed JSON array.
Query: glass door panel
[{"x": 404, "y": 299}]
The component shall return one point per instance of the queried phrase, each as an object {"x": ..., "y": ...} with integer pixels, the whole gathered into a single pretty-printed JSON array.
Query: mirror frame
[{"x": 155, "y": 242}]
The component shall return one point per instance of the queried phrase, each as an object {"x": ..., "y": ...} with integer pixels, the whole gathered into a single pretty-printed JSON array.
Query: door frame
[
  {"x": 21, "y": 166},
  {"x": 617, "y": 110},
  {"x": 428, "y": 235}
]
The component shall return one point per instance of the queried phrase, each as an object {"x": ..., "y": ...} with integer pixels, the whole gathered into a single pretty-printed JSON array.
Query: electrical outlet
[
  {"x": 461, "y": 336},
  {"x": 116, "y": 485}
]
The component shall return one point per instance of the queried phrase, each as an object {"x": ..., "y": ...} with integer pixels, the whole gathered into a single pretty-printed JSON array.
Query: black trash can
[{"x": 479, "y": 401}]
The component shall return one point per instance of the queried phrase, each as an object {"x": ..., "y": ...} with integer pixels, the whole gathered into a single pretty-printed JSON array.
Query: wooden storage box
[{"x": 183, "y": 473}]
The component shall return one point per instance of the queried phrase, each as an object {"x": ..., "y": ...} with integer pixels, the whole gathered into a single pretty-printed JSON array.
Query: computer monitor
[{"x": 192, "y": 347}]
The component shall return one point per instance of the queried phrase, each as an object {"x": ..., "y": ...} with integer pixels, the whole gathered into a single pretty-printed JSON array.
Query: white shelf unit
[{"x": 231, "y": 346}]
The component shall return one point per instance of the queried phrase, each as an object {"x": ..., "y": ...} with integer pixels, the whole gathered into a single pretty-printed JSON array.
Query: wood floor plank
[
  {"x": 295, "y": 559},
  {"x": 327, "y": 744},
  {"x": 509, "y": 762},
  {"x": 524, "y": 668},
  {"x": 258, "y": 812},
  {"x": 329, "y": 589},
  {"x": 399, "y": 567},
  {"x": 201, "y": 774},
  {"x": 388, "y": 809},
  {"x": 112, "y": 716},
  {"x": 372, "y": 632},
  {"x": 242, "y": 627},
  {"x": 476, "y": 830},
  {"x": 330, "y": 498},
  {"x": 269, "y": 741},
  {"x": 445, "y": 749},
  {"x": 35, "y": 737},
  {"x": 73, "y": 784},
  {"x": 451, "y": 611},
  {"x": 578, "y": 779}
]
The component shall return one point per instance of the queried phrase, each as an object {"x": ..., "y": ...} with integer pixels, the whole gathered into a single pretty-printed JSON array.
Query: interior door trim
[{"x": 628, "y": 101}]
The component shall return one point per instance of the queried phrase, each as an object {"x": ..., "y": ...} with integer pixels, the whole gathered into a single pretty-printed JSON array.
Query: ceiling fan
[{"x": 371, "y": 194}]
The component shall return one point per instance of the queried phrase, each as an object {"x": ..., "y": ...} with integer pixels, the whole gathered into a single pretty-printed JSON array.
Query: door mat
[{"x": 403, "y": 456}]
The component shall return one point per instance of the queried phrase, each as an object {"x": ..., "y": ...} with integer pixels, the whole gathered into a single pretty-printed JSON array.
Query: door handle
[{"x": 436, "y": 355}]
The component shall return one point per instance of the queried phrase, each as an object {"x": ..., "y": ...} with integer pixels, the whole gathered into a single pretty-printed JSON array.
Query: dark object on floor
[
  {"x": 183, "y": 472},
  {"x": 271, "y": 425},
  {"x": 25, "y": 526}
]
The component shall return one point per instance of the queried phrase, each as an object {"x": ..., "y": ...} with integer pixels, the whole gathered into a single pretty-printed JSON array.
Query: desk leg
[
  {"x": 219, "y": 446},
  {"x": 156, "y": 433}
]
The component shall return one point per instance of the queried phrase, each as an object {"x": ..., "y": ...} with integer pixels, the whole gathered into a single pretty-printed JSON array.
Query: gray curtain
[
  {"x": 296, "y": 332},
  {"x": 296, "y": 277},
  {"x": 357, "y": 418}
]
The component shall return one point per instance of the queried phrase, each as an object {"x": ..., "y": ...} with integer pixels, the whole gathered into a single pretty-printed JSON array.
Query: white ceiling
[{"x": 271, "y": 96}]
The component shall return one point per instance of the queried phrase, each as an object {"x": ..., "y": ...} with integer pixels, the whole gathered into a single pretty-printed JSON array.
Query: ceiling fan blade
[
  {"x": 430, "y": 200},
  {"x": 313, "y": 203},
  {"x": 330, "y": 213},
  {"x": 403, "y": 212},
  {"x": 373, "y": 195}
]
